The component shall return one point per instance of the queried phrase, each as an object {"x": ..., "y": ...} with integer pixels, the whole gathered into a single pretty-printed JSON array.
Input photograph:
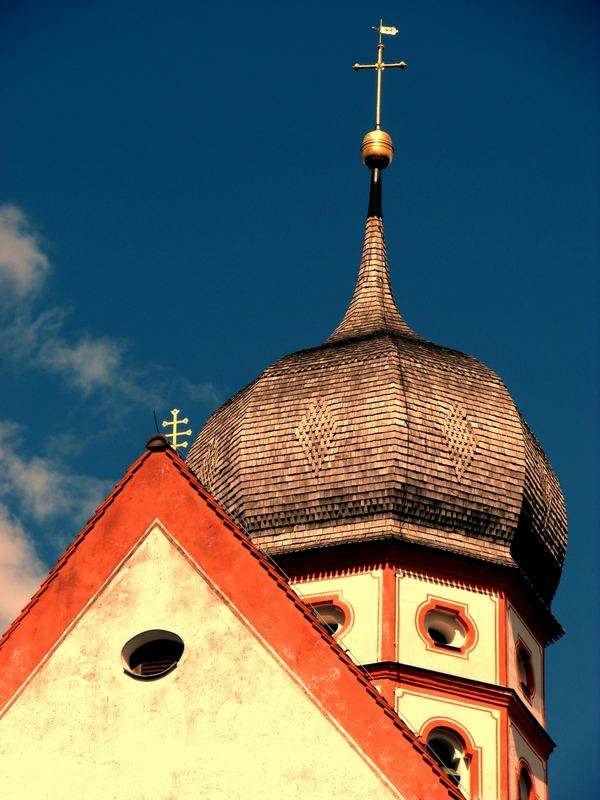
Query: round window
[
  {"x": 330, "y": 616},
  {"x": 445, "y": 629},
  {"x": 152, "y": 654}
]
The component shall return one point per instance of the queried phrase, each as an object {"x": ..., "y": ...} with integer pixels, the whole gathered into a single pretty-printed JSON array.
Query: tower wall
[
  {"x": 521, "y": 755},
  {"x": 478, "y": 658},
  {"x": 519, "y": 633},
  {"x": 360, "y": 595},
  {"x": 471, "y": 685},
  {"x": 480, "y": 726}
]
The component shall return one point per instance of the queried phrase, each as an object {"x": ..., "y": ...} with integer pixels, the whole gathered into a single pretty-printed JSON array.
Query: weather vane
[
  {"x": 175, "y": 432},
  {"x": 377, "y": 149}
]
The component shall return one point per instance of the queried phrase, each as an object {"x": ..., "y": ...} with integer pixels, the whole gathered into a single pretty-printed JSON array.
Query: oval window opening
[
  {"x": 445, "y": 629},
  {"x": 330, "y": 616},
  {"x": 438, "y": 636},
  {"x": 152, "y": 654}
]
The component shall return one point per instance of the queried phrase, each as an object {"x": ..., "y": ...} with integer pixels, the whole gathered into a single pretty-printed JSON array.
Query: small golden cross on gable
[
  {"x": 175, "y": 432},
  {"x": 383, "y": 30}
]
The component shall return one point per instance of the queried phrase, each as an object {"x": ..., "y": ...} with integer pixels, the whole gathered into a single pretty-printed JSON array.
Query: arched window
[
  {"x": 449, "y": 750},
  {"x": 525, "y": 670},
  {"x": 525, "y": 785}
]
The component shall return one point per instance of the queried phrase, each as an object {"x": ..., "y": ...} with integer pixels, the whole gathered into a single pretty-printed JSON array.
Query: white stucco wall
[
  {"x": 518, "y": 748},
  {"x": 518, "y": 629},
  {"x": 362, "y": 594},
  {"x": 228, "y": 722},
  {"x": 481, "y": 663}
]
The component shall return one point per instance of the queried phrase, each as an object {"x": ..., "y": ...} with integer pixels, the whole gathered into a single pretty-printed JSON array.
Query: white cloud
[
  {"x": 21, "y": 571},
  {"x": 23, "y": 266},
  {"x": 204, "y": 393},
  {"x": 41, "y": 489},
  {"x": 89, "y": 364},
  {"x": 96, "y": 365},
  {"x": 45, "y": 488},
  {"x": 22, "y": 333}
]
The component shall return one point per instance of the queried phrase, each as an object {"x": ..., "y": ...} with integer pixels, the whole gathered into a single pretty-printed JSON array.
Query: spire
[{"x": 373, "y": 308}]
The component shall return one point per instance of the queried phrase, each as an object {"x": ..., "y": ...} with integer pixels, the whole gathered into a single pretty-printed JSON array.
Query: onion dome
[{"x": 378, "y": 434}]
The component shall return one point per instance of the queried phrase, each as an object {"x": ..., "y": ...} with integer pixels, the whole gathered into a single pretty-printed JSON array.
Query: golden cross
[
  {"x": 383, "y": 30},
  {"x": 175, "y": 432}
]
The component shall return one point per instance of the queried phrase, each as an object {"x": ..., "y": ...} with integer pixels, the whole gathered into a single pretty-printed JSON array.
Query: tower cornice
[
  {"x": 448, "y": 568},
  {"x": 406, "y": 675}
]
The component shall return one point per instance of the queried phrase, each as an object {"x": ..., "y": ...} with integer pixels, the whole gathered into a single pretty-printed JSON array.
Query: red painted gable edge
[{"x": 159, "y": 486}]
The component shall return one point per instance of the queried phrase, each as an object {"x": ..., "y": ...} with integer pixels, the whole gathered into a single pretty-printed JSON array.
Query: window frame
[
  {"x": 528, "y": 687},
  {"x": 143, "y": 638},
  {"x": 332, "y": 599},
  {"x": 525, "y": 769},
  {"x": 471, "y": 753},
  {"x": 464, "y": 619}
]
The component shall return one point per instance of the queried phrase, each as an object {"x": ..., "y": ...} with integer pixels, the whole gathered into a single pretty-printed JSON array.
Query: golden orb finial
[{"x": 377, "y": 149}]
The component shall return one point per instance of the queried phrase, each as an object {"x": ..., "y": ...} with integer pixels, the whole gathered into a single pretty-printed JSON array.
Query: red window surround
[
  {"x": 333, "y": 599},
  {"x": 472, "y": 754},
  {"x": 525, "y": 672},
  {"x": 464, "y": 619},
  {"x": 525, "y": 790}
]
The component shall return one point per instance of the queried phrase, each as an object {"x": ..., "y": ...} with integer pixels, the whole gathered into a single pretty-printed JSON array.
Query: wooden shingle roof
[{"x": 379, "y": 434}]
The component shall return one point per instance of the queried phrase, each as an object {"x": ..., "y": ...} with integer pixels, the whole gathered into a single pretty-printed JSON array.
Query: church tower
[{"x": 397, "y": 485}]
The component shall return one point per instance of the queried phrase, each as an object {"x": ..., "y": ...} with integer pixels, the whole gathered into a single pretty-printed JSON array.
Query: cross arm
[{"x": 400, "y": 64}]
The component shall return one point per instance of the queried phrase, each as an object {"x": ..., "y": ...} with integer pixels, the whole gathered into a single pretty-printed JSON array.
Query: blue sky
[{"x": 182, "y": 202}]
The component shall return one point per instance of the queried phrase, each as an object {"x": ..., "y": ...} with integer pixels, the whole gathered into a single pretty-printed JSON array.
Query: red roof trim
[
  {"x": 72, "y": 547},
  {"x": 118, "y": 526}
]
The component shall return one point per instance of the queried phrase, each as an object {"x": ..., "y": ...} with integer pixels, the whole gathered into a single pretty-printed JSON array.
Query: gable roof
[{"x": 159, "y": 486}]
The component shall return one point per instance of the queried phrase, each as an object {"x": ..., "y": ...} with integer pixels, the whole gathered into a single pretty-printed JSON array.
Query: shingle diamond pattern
[
  {"x": 316, "y": 434},
  {"x": 460, "y": 439},
  {"x": 378, "y": 434}
]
